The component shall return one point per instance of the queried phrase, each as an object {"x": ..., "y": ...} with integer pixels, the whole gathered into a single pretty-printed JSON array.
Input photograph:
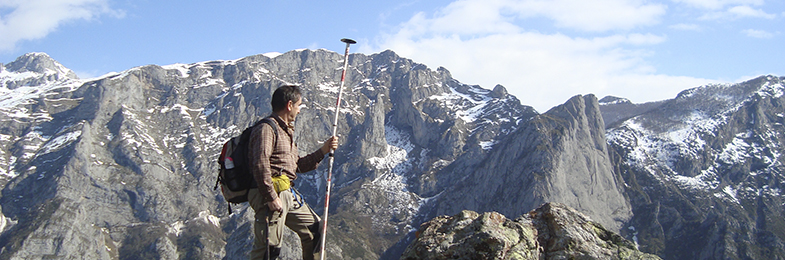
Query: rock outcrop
[{"x": 552, "y": 231}]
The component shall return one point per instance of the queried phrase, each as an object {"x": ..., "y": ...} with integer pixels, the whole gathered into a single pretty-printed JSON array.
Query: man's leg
[
  {"x": 299, "y": 219},
  {"x": 276, "y": 223},
  {"x": 259, "y": 250},
  {"x": 271, "y": 223}
]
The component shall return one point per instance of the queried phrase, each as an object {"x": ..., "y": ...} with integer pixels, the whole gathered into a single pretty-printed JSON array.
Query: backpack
[{"x": 235, "y": 176}]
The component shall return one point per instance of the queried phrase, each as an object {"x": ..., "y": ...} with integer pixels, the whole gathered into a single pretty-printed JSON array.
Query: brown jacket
[{"x": 267, "y": 161}]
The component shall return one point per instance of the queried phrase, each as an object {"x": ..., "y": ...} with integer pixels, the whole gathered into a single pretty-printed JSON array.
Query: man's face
[{"x": 295, "y": 109}]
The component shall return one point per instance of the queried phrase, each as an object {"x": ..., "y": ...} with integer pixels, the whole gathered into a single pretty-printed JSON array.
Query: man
[{"x": 270, "y": 158}]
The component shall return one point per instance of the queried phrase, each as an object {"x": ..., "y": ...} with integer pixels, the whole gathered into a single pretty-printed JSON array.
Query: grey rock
[
  {"x": 616, "y": 109},
  {"x": 499, "y": 92},
  {"x": 560, "y": 156},
  {"x": 552, "y": 231},
  {"x": 373, "y": 141}
]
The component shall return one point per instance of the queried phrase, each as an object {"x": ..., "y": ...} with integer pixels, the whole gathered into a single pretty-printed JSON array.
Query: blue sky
[{"x": 543, "y": 51}]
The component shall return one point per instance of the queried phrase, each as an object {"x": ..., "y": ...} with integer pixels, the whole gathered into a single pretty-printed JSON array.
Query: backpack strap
[{"x": 269, "y": 121}]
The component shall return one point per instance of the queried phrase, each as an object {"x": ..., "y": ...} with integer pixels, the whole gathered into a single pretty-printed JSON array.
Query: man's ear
[{"x": 289, "y": 105}]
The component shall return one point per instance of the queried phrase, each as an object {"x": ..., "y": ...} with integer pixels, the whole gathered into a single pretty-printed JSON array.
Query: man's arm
[{"x": 311, "y": 161}]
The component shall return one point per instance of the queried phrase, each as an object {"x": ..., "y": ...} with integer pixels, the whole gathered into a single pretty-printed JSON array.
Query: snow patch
[
  {"x": 392, "y": 179},
  {"x": 208, "y": 218},
  {"x": 61, "y": 141},
  {"x": 771, "y": 90},
  {"x": 729, "y": 193},
  {"x": 737, "y": 151},
  {"x": 24, "y": 95},
  {"x": 469, "y": 107},
  {"x": 441, "y": 163},
  {"x": 182, "y": 68},
  {"x": 272, "y": 55},
  {"x": 616, "y": 101},
  {"x": 695, "y": 183},
  {"x": 329, "y": 87},
  {"x": 6, "y": 223},
  {"x": 176, "y": 228},
  {"x": 487, "y": 145},
  {"x": 398, "y": 148}
]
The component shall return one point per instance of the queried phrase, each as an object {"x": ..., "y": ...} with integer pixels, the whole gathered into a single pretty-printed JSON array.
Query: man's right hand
[{"x": 275, "y": 205}]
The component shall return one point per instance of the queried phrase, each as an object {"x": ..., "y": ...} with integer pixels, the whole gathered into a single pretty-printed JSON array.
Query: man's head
[{"x": 286, "y": 102}]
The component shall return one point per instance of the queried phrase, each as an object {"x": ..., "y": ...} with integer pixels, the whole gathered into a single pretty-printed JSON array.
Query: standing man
[{"x": 273, "y": 157}]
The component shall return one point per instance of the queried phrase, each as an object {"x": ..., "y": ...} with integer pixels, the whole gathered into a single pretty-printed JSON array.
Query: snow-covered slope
[
  {"x": 708, "y": 166},
  {"x": 31, "y": 89}
]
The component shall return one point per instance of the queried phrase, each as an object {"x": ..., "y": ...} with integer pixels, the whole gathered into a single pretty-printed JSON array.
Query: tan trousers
[{"x": 296, "y": 217}]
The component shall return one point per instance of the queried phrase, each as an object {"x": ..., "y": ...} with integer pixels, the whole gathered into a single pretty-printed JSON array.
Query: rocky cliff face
[
  {"x": 560, "y": 155},
  {"x": 552, "y": 231},
  {"x": 123, "y": 166}
]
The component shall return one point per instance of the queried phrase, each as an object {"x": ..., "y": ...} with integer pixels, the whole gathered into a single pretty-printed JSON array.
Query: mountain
[
  {"x": 123, "y": 166},
  {"x": 704, "y": 172},
  {"x": 129, "y": 158}
]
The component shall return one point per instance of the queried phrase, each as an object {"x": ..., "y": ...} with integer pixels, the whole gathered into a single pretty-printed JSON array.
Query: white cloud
[
  {"x": 546, "y": 70},
  {"x": 686, "y": 27},
  {"x": 758, "y": 33},
  {"x": 481, "y": 42},
  {"x": 738, "y": 12},
  {"x": 746, "y": 11},
  {"x": 34, "y": 19},
  {"x": 467, "y": 17},
  {"x": 718, "y": 4},
  {"x": 597, "y": 15}
]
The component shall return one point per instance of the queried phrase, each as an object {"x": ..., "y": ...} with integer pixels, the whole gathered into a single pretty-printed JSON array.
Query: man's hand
[
  {"x": 275, "y": 205},
  {"x": 330, "y": 144}
]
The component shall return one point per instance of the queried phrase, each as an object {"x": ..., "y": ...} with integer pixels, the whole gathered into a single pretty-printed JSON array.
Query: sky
[{"x": 542, "y": 51}]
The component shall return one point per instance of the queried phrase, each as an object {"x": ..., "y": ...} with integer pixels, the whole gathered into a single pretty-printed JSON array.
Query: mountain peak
[
  {"x": 610, "y": 100},
  {"x": 39, "y": 62},
  {"x": 499, "y": 91}
]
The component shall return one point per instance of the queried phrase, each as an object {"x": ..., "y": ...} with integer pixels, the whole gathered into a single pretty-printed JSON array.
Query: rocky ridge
[
  {"x": 552, "y": 231},
  {"x": 616, "y": 109}
]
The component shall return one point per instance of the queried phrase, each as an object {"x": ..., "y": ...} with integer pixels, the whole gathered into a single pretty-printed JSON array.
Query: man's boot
[
  {"x": 274, "y": 252},
  {"x": 317, "y": 237}
]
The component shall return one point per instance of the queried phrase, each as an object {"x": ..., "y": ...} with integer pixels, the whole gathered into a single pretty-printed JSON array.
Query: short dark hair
[{"x": 283, "y": 95}]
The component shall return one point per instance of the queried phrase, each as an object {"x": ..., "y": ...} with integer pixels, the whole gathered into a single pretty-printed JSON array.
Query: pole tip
[{"x": 349, "y": 41}]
